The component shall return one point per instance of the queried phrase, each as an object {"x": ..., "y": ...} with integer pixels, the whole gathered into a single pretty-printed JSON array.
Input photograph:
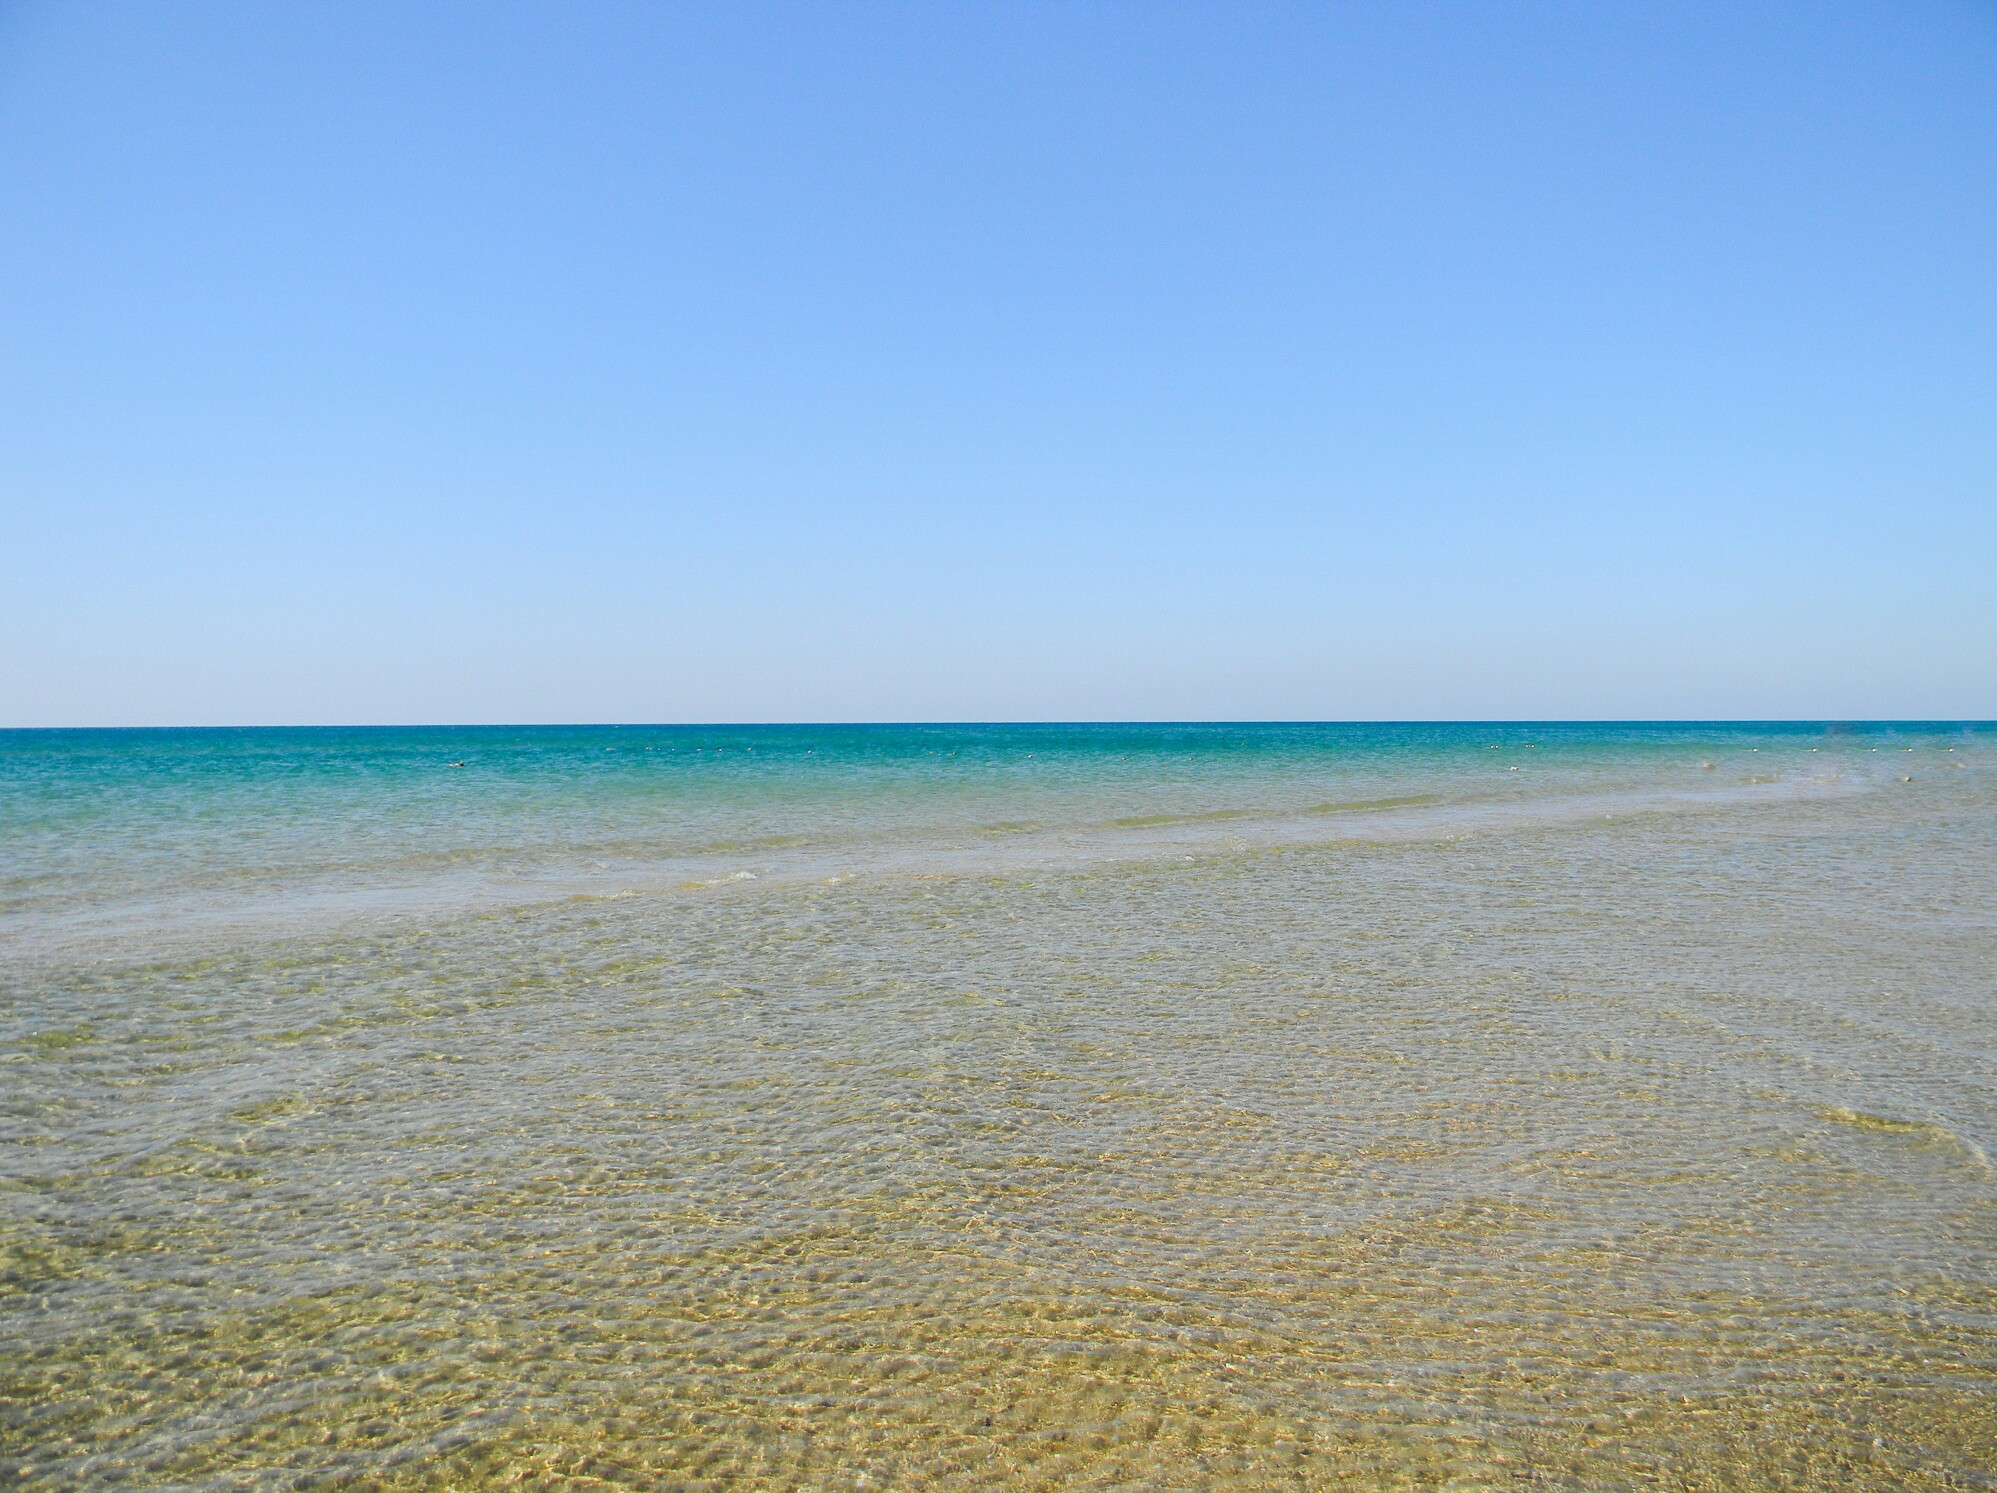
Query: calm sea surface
[{"x": 964, "y": 1106}]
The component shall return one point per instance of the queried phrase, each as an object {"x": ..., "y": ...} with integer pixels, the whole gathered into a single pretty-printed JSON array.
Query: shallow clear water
[{"x": 955, "y": 1106}]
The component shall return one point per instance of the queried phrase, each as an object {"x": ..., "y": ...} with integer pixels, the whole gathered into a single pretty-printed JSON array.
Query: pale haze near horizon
[{"x": 528, "y": 363}]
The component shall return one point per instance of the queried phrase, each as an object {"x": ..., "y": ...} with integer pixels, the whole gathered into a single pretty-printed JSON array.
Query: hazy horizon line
[{"x": 858, "y": 724}]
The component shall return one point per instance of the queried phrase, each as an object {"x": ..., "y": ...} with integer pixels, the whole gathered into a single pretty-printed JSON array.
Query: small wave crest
[{"x": 1929, "y": 1131}]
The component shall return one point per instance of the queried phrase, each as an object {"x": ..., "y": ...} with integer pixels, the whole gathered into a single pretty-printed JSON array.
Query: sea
[{"x": 1161, "y": 1106}]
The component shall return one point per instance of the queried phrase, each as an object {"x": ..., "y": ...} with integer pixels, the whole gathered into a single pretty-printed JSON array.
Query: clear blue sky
[{"x": 980, "y": 360}]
